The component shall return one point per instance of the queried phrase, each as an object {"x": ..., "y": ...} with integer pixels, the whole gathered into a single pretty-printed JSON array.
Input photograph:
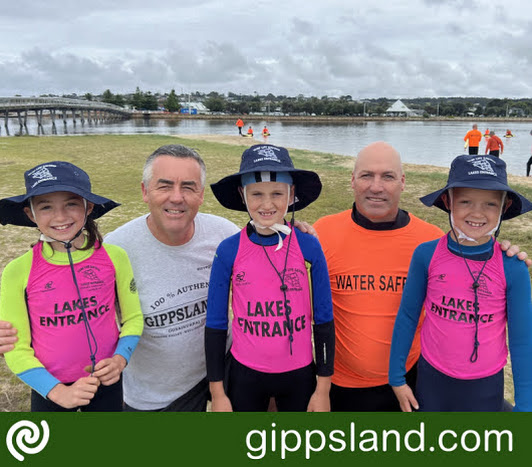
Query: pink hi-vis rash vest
[
  {"x": 260, "y": 333},
  {"x": 448, "y": 332},
  {"x": 57, "y": 329}
]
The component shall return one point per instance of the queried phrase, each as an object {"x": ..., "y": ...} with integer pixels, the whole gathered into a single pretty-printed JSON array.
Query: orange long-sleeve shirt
[{"x": 494, "y": 143}]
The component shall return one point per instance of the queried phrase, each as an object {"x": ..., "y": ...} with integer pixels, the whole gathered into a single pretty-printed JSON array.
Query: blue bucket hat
[
  {"x": 273, "y": 160},
  {"x": 483, "y": 173},
  {"x": 52, "y": 177}
]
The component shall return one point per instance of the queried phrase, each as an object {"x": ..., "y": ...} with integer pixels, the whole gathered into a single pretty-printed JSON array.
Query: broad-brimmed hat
[
  {"x": 267, "y": 158},
  {"x": 484, "y": 173},
  {"x": 52, "y": 177}
]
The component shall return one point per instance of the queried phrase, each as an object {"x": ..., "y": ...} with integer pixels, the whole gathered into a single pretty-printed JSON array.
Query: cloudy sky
[{"x": 364, "y": 48}]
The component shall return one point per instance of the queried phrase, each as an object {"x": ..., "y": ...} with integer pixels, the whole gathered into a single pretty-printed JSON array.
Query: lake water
[{"x": 419, "y": 142}]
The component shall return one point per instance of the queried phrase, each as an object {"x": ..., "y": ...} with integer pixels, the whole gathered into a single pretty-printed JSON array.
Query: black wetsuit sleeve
[
  {"x": 324, "y": 348},
  {"x": 215, "y": 342}
]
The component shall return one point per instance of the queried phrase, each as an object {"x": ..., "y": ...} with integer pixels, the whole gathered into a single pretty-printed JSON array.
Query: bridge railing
[{"x": 14, "y": 103}]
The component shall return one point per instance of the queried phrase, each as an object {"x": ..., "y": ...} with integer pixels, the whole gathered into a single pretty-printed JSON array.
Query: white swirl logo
[{"x": 28, "y": 433}]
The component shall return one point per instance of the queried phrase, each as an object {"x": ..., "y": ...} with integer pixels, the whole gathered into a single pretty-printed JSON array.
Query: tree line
[{"x": 233, "y": 103}]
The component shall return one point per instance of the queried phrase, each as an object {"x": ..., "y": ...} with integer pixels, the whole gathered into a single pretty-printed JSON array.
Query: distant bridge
[{"x": 58, "y": 107}]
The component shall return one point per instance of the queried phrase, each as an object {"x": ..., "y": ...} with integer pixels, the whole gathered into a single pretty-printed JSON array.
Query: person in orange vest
[
  {"x": 487, "y": 133},
  {"x": 494, "y": 144},
  {"x": 250, "y": 131},
  {"x": 265, "y": 131},
  {"x": 473, "y": 138},
  {"x": 240, "y": 124},
  {"x": 509, "y": 133}
]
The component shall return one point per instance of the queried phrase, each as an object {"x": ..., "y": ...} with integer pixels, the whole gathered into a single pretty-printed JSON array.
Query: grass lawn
[{"x": 115, "y": 163}]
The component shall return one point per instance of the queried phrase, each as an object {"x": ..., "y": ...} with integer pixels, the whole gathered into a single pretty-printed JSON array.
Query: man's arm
[{"x": 512, "y": 250}]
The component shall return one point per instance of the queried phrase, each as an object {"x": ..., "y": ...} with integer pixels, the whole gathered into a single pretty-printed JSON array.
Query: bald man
[{"x": 368, "y": 250}]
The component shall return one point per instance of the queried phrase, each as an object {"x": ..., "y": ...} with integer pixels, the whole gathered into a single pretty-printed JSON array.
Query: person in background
[
  {"x": 529, "y": 163},
  {"x": 250, "y": 131},
  {"x": 240, "y": 125},
  {"x": 265, "y": 131},
  {"x": 494, "y": 145},
  {"x": 472, "y": 139}
]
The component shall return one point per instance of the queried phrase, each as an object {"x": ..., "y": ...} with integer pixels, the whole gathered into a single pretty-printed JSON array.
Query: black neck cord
[
  {"x": 474, "y": 356},
  {"x": 283, "y": 287},
  {"x": 91, "y": 338}
]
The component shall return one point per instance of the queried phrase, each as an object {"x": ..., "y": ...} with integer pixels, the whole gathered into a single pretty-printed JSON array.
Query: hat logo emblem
[
  {"x": 267, "y": 153},
  {"x": 42, "y": 174},
  {"x": 484, "y": 164}
]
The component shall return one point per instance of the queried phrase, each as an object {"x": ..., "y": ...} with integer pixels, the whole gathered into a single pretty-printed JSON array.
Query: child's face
[
  {"x": 476, "y": 212},
  {"x": 267, "y": 202},
  {"x": 59, "y": 215}
]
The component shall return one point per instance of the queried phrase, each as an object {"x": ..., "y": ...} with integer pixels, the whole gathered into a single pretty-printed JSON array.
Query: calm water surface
[{"x": 419, "y": 142}]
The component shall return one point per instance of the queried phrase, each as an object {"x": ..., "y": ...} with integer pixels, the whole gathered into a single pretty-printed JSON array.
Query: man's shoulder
[
  {"x": 425, "y": 229},
  {"x": 332, "y": 219},
  {"x": 211, "y": 221},
  {"x": 130, "y": 230}
]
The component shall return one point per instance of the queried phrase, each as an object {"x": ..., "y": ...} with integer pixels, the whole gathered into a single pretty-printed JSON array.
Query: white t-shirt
[{"x": 173, "y": 283}]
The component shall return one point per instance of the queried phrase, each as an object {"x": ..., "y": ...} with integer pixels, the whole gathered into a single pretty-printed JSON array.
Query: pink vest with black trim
[
  {"x": 57, "y": 329},
  {"x": 448, "y": 331},
  {"x": 260, "y": 332}
]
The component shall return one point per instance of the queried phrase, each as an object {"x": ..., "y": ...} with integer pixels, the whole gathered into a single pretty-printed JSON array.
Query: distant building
[
  {"x": 195, "y": 108},
  {"x": 399, "y": 109}
]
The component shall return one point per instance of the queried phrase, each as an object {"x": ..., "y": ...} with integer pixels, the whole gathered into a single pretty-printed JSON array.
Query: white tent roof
[{"x": 398, "y": 106}]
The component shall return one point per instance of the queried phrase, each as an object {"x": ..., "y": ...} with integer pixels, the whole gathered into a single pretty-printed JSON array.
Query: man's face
[
  {"x": 174, "y": 195},
  {"x": 377, "y": 182}
]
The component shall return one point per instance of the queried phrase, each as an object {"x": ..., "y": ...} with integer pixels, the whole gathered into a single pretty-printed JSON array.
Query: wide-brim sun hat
[
  {"x": 484, "y": 173},
  {"x": 267, "y": 158},
  {"x": 52, "y": 177}
]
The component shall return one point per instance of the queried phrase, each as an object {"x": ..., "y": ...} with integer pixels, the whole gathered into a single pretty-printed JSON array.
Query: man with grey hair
[{"x": 171, "y": 251}]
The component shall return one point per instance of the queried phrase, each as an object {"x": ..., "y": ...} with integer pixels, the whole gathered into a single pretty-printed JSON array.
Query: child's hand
[
  {"x": 319, "y": 402},
  {"x": 221, "y": 403},
  {"x": 78, "y": 394},
  {"x": 7, "y": 337},
  {"x": 108, "y": 370},
  {"x": 406, "y": 398}
]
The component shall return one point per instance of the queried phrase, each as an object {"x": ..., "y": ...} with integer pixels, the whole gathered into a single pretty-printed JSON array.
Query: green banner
[{"x": 199, "y": 439}]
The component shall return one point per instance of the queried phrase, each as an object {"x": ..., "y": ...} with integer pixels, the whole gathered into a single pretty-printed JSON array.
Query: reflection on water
[{"x": 419, "y": 142}]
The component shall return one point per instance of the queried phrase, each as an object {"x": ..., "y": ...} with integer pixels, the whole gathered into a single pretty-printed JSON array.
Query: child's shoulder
[
  {"x": 229, "y": 243},
  {"x": 113, "y": 249},
  {"x": 306, "y": 237},
  {"x": 426, "y": 249},
  {"x": 20, "y": 264},
  {"x": 116, "y": 253}
]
